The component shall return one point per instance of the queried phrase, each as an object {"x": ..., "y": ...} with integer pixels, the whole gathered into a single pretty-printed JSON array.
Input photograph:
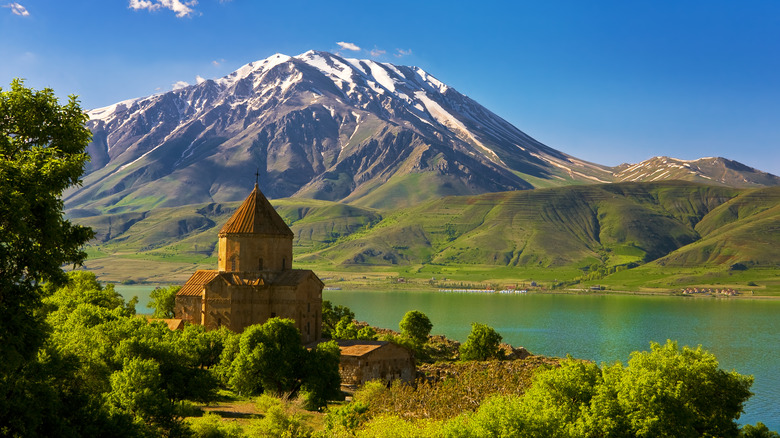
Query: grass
[{"x": 693, "y": 233}]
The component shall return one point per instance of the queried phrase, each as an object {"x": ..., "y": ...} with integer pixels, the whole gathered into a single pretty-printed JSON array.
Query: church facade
[{"x": 254, "y": 279}]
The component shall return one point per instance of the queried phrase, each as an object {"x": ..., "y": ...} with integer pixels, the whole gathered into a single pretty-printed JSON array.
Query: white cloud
[
  {"x": 182, "y": 9},
  {"x": 217, "y": 62},
  {"x": 377, "y": 52},
  {"x": 401, "y": 52},
  {"x": 348, "y": 46},
  {"x": 179, "y": 85},
  {"x": 199, "y": 79},
  {"x": 17, "y": 9}
]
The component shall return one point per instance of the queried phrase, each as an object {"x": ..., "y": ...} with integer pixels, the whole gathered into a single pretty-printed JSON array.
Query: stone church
[{"x": 254, "y": 280}]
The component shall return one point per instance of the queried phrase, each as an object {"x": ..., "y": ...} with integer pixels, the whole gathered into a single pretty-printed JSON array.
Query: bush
[
  {"x": 415, "y": 326},
  {"x": 344, "y": 419},
  {"x": 322, "y": 381},
  {"x": 279, "y": 420},
  {"x": 270, "y": 357},
  {"x": 211, "y": 426},
  {"x": 483, "y": 343},
  {"x": 664, "y": 392},
  {"x": 758, "y": 431}
]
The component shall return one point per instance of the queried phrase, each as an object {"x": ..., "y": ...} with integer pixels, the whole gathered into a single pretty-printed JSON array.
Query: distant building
[
  {"x": 363, "y": 361},
  {"x": 254, "y": 280}
]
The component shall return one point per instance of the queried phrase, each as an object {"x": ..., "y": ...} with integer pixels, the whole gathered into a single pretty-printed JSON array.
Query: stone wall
[
  {"x": 239, "y": 252},
  {"x": 388, "y": 362}
]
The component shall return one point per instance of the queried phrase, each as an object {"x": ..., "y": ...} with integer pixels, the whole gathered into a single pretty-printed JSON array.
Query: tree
[
  {"x": 483, "y": 343},
  {"x": 758, "y": 431},
  {"x": 332, "y": 315},
  {"x": 137, "y": 390},
  {"x": 666, "y": 392},
  {"x": 322, "y": 381},
  {"x": 163, "y": 301},
  {"x": 345, "y": 329},
  {"x": 670, "y": 391},
  {"x": 415, "y": 326},
  {"x": 270, "y": 357},
  {"x": 42, "y": 152}
]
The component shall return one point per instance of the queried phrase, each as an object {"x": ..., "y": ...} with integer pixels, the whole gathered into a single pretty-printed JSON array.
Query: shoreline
[{"x": 418, "y": 288}]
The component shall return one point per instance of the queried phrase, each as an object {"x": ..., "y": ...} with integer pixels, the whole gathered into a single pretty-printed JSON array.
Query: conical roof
[{"x": 256, "y": 216}]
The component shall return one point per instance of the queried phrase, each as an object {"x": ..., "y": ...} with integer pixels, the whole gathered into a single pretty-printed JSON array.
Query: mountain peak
[
  {"x": 342, "y": 129},
  {"x": 708, "y": 170}
]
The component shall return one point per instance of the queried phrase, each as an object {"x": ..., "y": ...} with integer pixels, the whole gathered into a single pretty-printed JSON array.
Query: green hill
[{"x": 589, "y": 233}]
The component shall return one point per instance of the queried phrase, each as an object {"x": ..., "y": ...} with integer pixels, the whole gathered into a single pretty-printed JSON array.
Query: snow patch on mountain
[
  {"x": 252, "y": 68},
  {"x": 330, "y": 66},
  {"x": 107, "y": 112},
  {"x": 445, "y": 118}
]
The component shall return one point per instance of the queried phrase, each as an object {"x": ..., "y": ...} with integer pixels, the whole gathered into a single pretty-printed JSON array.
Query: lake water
[{"x": 743, "y": 334}]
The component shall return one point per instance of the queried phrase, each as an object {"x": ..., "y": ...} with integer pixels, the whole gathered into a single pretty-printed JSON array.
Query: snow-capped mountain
[
  {"x": 314, "y": 125},
  {"x": 708, "y": 170}
]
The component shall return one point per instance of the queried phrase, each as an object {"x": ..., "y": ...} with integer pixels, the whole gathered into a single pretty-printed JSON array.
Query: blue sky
[{"x": 605, "y": 81}]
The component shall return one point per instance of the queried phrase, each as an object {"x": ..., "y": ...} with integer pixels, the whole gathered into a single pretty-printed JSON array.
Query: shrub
[
  {"x": 483, "y": 343},
  {"x": 211, "y": 426},
  {"x": 415, "y": 326}
]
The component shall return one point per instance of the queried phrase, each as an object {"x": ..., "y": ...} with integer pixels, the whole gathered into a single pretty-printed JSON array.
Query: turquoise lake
[{"x": 744, "y": 335}]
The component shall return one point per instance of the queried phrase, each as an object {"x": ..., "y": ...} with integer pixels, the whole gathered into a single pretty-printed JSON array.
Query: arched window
[
  {"x": 284, "y": 263},
  {"x": 233, "y": 263},
  {"x": 260, "y": 264}
]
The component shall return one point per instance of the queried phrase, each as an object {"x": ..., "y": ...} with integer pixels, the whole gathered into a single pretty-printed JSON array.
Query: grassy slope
[
  {"x": 548, "y": 227},
  {"x": 559, "y": 233}
]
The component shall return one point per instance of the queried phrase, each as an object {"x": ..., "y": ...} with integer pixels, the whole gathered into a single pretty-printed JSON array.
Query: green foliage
[
  {"x": 344, "y": 419},
  {"x": 758, "y": 431},
  {"x": 137, "y": 389},
  {"x": 666, "y": 392},
  {"x": 163, "y": 301},
  {"x": 81, "y": 287},
  {"x": 231, "y": 346},
  {"x": 391, "y": 426},
  {"x": 497, "y": 417},
  {"x": 211, "y": 426},
  {"x": 42, "y": 153},
  {"x": 673, "y": 392},
  {"x": 483, "y": 343},
  {"x": 450, "y": 389},
  {"x": 205, "y": 347},
  {"x": 367, "y": 333},
  {"x": 270, "y": 357},
  {"x": 345, "y": 329},
  {"x": 279, "y": 420},
  {"x": 123, "y": 375},
  {"x": 554, "y": 403},
  {"x": 415, "y": 326},
  {"x": 322, "y": 380},
  {"x": 332, "y": 316}
]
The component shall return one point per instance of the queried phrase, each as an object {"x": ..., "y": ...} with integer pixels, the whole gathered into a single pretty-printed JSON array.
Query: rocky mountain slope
[
  {"x": 316, "y": 125},
  {"x": 324, "y": 127}
]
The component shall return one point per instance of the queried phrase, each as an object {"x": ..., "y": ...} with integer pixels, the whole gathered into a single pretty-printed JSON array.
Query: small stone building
[
  {"x": 254, "y": 279},
  {"x": 363, "y": 361}
]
